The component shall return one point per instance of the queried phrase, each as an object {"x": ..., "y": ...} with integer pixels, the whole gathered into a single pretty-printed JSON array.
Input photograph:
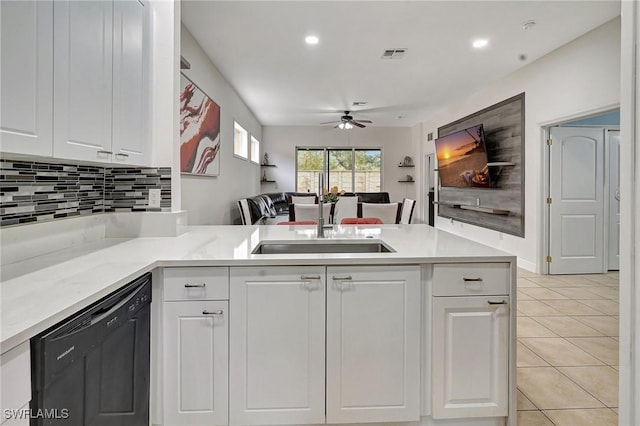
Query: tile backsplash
[
  {"x": 127, "y": 189},
  {"x": 38, "y": 191}
]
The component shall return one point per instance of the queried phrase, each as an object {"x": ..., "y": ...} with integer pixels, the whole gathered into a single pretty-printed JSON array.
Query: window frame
[
  {"x": 325, "y": 155},
  {"x": 237, "y": 127},
  {"x": 252, "y": 138}
]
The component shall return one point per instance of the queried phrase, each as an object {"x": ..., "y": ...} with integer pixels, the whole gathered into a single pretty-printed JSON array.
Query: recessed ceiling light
[
  {"x": 311, "y": 39},
  {"x": 480, "y": 43}
]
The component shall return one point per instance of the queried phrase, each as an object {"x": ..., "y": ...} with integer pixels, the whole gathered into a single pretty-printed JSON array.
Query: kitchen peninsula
[{"x": 310, "y": 336}]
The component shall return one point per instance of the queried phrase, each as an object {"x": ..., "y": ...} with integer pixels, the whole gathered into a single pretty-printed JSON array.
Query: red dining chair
[{"x": 360, "y": 221}]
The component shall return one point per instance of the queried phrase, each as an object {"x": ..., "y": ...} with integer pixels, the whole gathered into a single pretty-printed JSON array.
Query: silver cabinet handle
[
  {"x": 220, "y": 312},
  {"x": 465, "y": 279},
  {"x": 347, "y": 278},
  {"x": 102, "y": 151},
  {"x": 187, "y": 285},
  {"x": 502, "y": 302},
  {"x": 309, "y": 277},
  {"x": 121, "y": 154}
]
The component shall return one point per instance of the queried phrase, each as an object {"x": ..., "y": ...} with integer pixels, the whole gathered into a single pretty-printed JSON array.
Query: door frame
[
  {"x": 543, "y": 249},
  {"x": 429, "y": 181},
  {"x": 608, "y": 195}
]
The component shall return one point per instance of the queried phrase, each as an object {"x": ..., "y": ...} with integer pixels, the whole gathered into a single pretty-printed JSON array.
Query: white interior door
[
  {"x": 614, "y": 200},
  {"x": 576, "y": 211}
]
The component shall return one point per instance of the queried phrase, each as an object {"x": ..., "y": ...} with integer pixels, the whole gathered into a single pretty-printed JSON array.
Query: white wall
[
  {"x": 396, "y": 143},
  {"x": 164, "y": 103},
  {"x": 629, "y": 216},
  {"x": 578, "y": 78},
  {"x": 212, "y": 200}
]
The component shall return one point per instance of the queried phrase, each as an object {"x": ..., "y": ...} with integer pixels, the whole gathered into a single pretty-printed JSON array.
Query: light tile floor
[{"x": 567, "y": 349}]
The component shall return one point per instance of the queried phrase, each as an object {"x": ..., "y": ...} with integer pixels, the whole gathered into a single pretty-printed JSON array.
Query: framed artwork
[{"x": 199, "y": 131}]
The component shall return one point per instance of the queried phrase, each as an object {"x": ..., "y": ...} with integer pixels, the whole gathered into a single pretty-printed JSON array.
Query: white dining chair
[
  {"x": 298, "y": 199},
  {"x": 245, "y": 212},
  {"x": 303, "y": 212},
  {"x": 386, "y": 212},
  {"x": 346, "y": 206},
  {"x": 407, "y": 210}
]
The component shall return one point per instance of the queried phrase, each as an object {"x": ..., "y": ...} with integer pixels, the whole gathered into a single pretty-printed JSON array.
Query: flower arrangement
[{"x": 331, "y": 196}]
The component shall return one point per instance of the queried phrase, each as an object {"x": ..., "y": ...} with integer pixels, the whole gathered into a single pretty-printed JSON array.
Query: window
[
  {"x": 240, "y": 141},
  {"x": 255, "y": 150},
  {"x": 350, "y": 169}
]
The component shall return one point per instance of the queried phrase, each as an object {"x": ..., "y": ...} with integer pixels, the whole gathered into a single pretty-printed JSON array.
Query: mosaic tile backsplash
[{"x": 34, "y": 191}]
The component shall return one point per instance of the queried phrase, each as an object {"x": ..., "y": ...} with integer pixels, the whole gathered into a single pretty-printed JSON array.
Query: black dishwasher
[{"x": 93, "y": 368}]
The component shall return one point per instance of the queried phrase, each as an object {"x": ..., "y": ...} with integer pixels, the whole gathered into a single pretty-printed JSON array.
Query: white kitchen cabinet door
[
  {"x": 130, "y": 90},
  {"x": 373, "y": 344},
  {"x": 196, "y": 357},
  {"x": 82, "y": 74},
  {"x": 470, "y": 356},
  {"x": 277, "y": 352},
  {"x": 26, "y": 82}
]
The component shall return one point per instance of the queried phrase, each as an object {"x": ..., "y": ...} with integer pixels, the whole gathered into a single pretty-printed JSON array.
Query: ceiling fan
[{"x": 347, "y": 122}]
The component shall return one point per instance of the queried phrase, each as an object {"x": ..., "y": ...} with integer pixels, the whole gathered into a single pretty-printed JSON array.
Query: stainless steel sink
[{"x": 329, "y": 246}]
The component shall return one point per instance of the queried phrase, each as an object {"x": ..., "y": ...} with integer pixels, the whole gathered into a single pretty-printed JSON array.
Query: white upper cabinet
[
  {"x": 26, "y": 87},
  {"x": 82, "y": 80},
  {"x": 75, "y": 80},
  {"x": 100, "y": 57},
  {"x": 130, "y": 83}
]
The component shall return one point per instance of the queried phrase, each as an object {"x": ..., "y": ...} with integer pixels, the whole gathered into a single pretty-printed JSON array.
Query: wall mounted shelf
[
  {"x": 501, "y": 164},
  {"x": 490, "y": 210}
]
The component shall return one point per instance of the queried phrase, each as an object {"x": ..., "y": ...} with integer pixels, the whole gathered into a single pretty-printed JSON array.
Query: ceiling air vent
[{"x": 393, "y": 53}]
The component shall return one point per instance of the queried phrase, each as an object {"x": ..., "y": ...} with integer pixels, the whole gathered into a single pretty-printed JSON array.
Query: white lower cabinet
[
  {"x": 278, "y": 339},
  {"x": 15, "y": 386},
  {"x": 373, "y": 344},
  {"x": 277, "y": 348},
  {"x": 195, "y": 347},
  {"x": 470, "y": 370}
]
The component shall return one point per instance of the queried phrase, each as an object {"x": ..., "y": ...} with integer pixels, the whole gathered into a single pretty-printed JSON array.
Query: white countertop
[{"x": 37, "y": 293}]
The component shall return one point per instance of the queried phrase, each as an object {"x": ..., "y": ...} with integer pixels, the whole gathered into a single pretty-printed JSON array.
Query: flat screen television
[{"x": 462, "y": 159}]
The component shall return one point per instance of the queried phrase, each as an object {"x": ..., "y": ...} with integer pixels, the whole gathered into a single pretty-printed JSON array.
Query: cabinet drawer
[
  {"x": 196, "y": 283},
  {"x": 464, "y": 279}
]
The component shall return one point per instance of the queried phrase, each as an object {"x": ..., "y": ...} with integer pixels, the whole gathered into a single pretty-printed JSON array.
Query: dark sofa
[{"x": 270, "y": 205}]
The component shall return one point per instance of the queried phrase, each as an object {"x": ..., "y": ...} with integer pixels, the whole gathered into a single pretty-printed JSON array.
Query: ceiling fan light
[
  {"x": 341, "y": 126},
  {"x": 348, "y": 126}
]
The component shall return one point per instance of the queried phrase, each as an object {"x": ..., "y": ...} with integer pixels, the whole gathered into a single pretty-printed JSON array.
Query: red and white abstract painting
[{"x": 199, "y": 131}]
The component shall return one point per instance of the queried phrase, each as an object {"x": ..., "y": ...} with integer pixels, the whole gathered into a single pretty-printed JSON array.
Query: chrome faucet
[{"x": 320, "y": 229}]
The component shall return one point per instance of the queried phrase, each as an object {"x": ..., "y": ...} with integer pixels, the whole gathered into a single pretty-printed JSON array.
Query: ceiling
[{"x": 259, "y": 47}]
